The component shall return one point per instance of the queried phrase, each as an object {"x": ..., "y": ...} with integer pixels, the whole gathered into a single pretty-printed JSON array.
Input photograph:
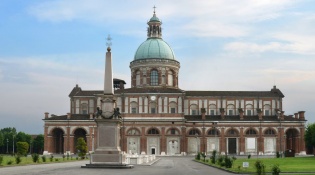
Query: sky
[{"x": 49, "y": 46}]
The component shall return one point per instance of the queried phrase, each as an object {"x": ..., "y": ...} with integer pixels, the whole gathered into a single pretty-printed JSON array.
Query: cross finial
[
  {"x": 154, "y": 9},
  {"x": 109, "y": 41}
]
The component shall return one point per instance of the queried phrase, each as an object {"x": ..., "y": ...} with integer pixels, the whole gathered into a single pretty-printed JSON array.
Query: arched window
[
  {"x": 84, "y": 108},
  {"x": 172, "y": 107},
  {"x": 133, "y": 107},
  {"x": 194, "y": 132},
  {"x": 170, "y": 78},
  {"x": 137, "y": 78},
  {"x": 267, "y": 110},
  {"x": 193, "y": 110},
  {"x": 212, "y": 109},
  {"x": 153, "y": 131},
  {"x": 249, "y": 110},
  {"x": 251, "y": 132},
  {"x": 172, "y": 131},
  {"x": 270, "y": 132},
  {"x": 232, "y": 132},
  {"x": 133, "y": 132},
  {"x": 213, "y": 132},
  {"x": 154, "y": 78},
  {"x": 231, "y": 110}
]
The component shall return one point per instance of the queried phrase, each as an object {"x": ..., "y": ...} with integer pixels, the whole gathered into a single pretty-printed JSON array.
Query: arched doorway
[
  {"x": 77, "y": 134},
  {"x": 58, "y": 141},
  {"x": 291, "y": 140}
]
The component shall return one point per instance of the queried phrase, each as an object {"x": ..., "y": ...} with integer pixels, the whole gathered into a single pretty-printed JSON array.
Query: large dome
[{"x": 154, "y": 48}]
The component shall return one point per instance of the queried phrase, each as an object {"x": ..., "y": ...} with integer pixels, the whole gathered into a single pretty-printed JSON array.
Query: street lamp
[
  {"x": 13, "y": 143},
  {"x": 279, "y": 118},
  {"x": 196, "y": 136},
  {"x": 215, "y": 134},
  {"x": 7, "y": 146}
]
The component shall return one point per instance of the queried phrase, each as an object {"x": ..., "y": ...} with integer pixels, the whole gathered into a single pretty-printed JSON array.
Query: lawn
[
  {"x": 292, "y": 164},
  {"x": 11, "y": 161}
]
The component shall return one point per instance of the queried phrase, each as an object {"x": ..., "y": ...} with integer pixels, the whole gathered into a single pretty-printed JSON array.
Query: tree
[
  {"x": 23, "y": 137},
  {"x": 1, "y": 139},
  {"x": 81, "y": 147},
  {"x": 38, "y": 144},
  {"x": 22, "y": 148},
  {"x": 8, "y": 135},
  {"x": 310, "y": 135}
]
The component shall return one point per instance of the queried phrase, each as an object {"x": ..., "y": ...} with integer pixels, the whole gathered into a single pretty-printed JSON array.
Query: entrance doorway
[
  {"x": 232, "y": 145},
  {"x": 153, "y": 151}
]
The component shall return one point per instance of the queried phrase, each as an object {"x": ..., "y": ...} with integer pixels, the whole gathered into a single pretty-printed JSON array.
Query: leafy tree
[
  {"x": 1, "y": 139},
  {"x": 23, "y": 137},
  {"x": 38, "y": 144},
  {"x": 22, "y": 148},
  {"x": 81, "y": 147},
  {"x": 310, "y": 135},
  {"x": 8, "y": 135}
]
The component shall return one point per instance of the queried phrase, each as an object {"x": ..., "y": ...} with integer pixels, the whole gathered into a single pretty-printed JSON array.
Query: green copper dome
[
  {"x": 154, "y": 48},
  {"x": 154, "y": 19}
]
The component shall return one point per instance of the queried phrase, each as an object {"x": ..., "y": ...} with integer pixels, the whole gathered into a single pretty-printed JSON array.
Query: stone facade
[{"x": 160, "y": 118}]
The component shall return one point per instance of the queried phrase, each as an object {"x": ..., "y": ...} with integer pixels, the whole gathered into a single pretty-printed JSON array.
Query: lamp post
[
  {"x": 7, "y": 146},
  {"x": 215, "y": 134},
  {"x": 13, "y": 143},
  {"x": 279, "y": 118},
  {"x": 196, "y": 136}
]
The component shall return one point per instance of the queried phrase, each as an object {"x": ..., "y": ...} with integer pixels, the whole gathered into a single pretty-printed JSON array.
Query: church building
[{"x": 159, "y": 118}]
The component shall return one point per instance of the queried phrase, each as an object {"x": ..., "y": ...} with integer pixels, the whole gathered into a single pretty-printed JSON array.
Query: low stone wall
[{"x": 139, "y": 159}]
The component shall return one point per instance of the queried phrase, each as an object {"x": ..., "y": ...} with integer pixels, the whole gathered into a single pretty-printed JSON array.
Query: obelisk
[{"x": 108, "y": 153}]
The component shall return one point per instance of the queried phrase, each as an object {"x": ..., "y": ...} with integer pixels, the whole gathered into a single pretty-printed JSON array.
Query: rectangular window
[
  {"x": 230, "y": 112},
  {"x": 193, "y": 112},
  {"x": 152, "y": 110},
  {"x": 133, "y": 110},
  {"x": 173, "y": 131},
  {"x": 212, "y": 112},
  {"x": 249, "y": 112},
  {"x": 173, "y": 110},
  {"x": 267, "y": 113},
  {"x": 84, "y": 111}
]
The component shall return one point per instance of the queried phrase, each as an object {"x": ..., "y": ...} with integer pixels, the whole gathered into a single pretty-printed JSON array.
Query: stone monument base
[{"x": 110, "y": 166}]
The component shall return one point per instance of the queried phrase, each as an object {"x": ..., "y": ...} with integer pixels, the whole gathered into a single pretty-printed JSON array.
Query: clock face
[{"x": 153, "y": 98}]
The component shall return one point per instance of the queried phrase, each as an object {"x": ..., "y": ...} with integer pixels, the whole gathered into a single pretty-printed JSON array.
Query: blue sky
[{"x": 47, "y": 47}]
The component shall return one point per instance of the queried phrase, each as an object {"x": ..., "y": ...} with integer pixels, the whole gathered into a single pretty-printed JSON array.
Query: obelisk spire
[{"x": 108, "y": 78}]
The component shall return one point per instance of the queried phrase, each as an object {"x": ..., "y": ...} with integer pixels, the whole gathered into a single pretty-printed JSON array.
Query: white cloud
[{"x": 220, "y": 18}]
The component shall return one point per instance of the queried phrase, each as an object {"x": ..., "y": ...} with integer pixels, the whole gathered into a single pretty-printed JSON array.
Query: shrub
[
  {"x": 198, "y": 156},
  {"x": 228, "y": 162},
  {"x": 81, "y": 147},
  {"x": 260, "y": 167},
  {"x": 213, "y": 157},
  {"x": 44, "y": 158},
  {"x": 18, "y": 159},
  {"x": 56, "y": 159},
  {"x": 275, "y": 170},
  {"x": 249, "y": 156},
  {"x": 204, "y": 156},
  {"x": 68, "y": 156},
  {"x": 9, "y": 162},
  {"x": 1, "y": 159},
  {"x": 22, "y": 148},
  {"x": 278, "y": 154},
  {"x": 51, "y": 158},
  {"x": 35, "y": 158},
  {"x": 220, "y": 159}
]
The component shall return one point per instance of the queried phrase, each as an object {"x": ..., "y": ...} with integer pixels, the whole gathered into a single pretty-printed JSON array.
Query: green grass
[
  {"x": 292, "y": 164},
  {"x": 29, "y": 160}
]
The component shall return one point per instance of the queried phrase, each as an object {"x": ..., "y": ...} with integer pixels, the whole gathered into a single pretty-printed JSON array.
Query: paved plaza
[{"x": 165, "y": 166}]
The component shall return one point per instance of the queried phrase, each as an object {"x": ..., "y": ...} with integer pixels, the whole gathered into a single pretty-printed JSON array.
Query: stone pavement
[{"x": 165, "y": 166}]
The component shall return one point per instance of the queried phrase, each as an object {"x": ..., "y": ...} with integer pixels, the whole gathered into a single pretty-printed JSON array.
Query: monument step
[{"x": 110, "y": 166}]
